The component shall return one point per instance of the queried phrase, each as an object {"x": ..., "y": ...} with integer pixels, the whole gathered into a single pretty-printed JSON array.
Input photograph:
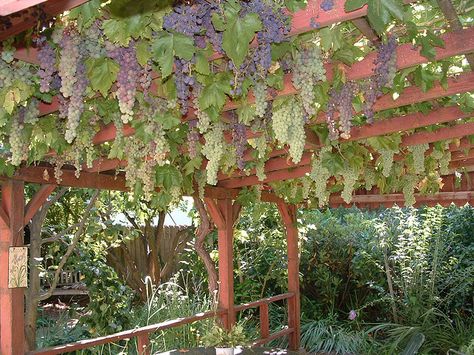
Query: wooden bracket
[
  {"x": 4, "y": 219},
  {"x": 37, "y": 201},
  {"x": 287, "y": 213},
  {"x": 218, "y": 214}
]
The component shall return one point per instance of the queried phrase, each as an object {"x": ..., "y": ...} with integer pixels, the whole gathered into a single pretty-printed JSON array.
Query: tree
[
  {"x": 70, "y": 235},
  {"x": 151, "y": 250}
]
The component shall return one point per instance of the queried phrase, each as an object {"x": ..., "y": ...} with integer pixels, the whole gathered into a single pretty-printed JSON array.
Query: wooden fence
[{"x": 142, "y": 334}]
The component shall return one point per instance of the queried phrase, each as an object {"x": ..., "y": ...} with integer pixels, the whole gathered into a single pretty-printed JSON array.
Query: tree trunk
[
  {"x": 33, "y": 290},
  {"x": 205, "y": 227}
]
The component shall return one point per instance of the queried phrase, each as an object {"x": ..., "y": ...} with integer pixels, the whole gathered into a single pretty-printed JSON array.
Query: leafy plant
[{"x": 219, "y": 337}]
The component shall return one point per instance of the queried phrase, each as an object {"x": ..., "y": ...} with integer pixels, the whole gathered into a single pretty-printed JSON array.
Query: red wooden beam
[
  {"x": 10, "y": 6},
  {"x": 45, "y": 175},
  {"x": 445, "y": 133},
  {"x": 441, "y": 134},
  {"x": 12, "y": 336},
  {"x": 25, "y": 20},
  {"x": 288, "y": 215},
  {"x": 37, "y": 201},
  {"x": 398, "y": 198},
  {"x": 224, "y": 214},
  {"x": 461, "y": 155},
  {"x": 379, "y": 128}
]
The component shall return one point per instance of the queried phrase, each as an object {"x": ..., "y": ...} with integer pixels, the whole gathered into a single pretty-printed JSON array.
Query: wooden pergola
[{"x": 106, "y": 174}]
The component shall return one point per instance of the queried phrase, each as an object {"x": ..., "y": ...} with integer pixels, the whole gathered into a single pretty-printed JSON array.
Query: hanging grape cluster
[
  {"x": 213, "y": 150},
  {"x": 350, "y": 176},
  {"x": 18, "y": 146},
  {"x": 384, "y": 72},
  {"x": 409, "y": 184},
  {"x": 239, "y": 140},
  {"x": 288, "y": 125},
  {"x": 418, "y": 153},
  {"x": 76, "y": 103},
  {"x": 307, "y": 72},
  {"x": 260, "y": 93},
  {"x": 386, "y": 156},
  {"x": 127, "y": 78},
  {"x": 341, "y": 101},
  {"x": 320, "y": 175},
  {"x": 275, "y": 29},
  {"x": 69, "y": 43},
  {"x": 47, "y": 63}
]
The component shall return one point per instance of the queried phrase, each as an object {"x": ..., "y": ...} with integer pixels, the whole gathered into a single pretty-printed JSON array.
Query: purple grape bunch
[
  {"x": 193, "y": 138},
  {"x": 184, "y": 83},
  {"x": 239, "y": 140},
  {"x": 327, "y": 5},
  {"x": 275, "y": 29},
  {"x": 127, "y": 77},
  {"x": 384, "y": 72},
  {"x": 341, "y": 101},
  {"x": 47, "y": 63},
  {"x": 195, "y": 20}
]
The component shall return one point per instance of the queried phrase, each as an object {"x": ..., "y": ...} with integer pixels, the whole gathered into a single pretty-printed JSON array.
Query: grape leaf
[
  {"x": 143, "y": 53},
  {"x": 202, "y": 65},
  {"x": 378, "y": 15},
  {"x": 352, "y": 5},
  {"x": 218, "y": 22},
  {"x": 183, "y": 46},
  {"x": 168, "y": 120},
  {"x": 214, "y": 94},
  {"x": 169, "y": 44},
  {"x": 237, "y": 36},
  {"x": 394, "y": 7},
  {"x": 101, "y": 73},
  {"x": 167, "y": 176},
  {"x": 86, "y": 13}
]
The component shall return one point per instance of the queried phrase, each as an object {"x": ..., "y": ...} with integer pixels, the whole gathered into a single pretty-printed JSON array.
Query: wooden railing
[{"x": 142, "y": 334}]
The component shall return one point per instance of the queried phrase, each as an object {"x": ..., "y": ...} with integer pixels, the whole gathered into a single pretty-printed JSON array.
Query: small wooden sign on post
[{"x": 17, "y": 267}]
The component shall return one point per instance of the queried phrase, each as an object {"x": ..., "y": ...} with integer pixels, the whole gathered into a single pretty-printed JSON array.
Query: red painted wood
[
  {"x": 288, "y": 215},
  {"x": 460, "y": 130},
  {"x": 4, "y": 219},
  {"x": 104, "y": 164},
  {"x": 36, "y": 174},
  {"x": 462, "y": 163},
  {"x": 462, "y": 155},
  {"x": 37, "y": 201},
  {"x": 12, "y": 336},
  {"x": 283, "y": 296},
  {"x": 398, "y": 198},
  {"x": 11, "y": 6},
  {"x": 264, "y": 321},
  {"x": 26, "y": 21},
  {"x": 143, "y": 344},
  {"x": 127, "y": 334},
  {"x": 382, "y": 127},
  {"x": 226, "y": 263},
  {"x": 445, "y": 133},
  {"x": 273, "y": 336}
]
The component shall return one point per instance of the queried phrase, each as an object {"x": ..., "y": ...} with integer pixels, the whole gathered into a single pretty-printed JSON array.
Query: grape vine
[
  {"x": 288, "y": 125},
  {"x": 308, "y": 71}
]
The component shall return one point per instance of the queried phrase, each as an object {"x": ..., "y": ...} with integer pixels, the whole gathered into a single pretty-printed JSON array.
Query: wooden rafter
[
  {"x": 301, "y": 170},
  {"x": 11, "y": 6},
  {"x": 456, "y": 43},
  {"x": 25, "y": 21},
  {"x": 37, "y": 201}
]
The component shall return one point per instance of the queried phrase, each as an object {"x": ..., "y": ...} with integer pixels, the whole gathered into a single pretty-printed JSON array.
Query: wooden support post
[
  {"x": 12, "y": 335},
  {"x": 224, "y": 213},
  {"x": 288, "y": 215},
  {"x": 143, "y": 344},
  {"x": 264, "y": 321}
]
